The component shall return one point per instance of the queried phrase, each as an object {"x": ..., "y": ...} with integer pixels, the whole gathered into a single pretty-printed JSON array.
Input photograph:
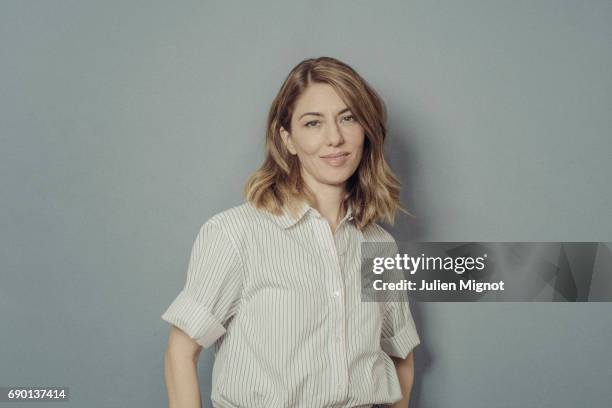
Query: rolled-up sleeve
[
  {"x": 213, "y": 286},
  {"x": 399, "y": 335}
]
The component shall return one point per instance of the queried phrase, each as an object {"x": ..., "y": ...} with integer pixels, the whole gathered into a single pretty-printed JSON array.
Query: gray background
[{"x": 124, "y": 125}]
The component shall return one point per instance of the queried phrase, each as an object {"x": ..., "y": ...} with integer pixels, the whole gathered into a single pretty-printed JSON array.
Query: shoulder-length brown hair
[{"x": 372, "y": 191}]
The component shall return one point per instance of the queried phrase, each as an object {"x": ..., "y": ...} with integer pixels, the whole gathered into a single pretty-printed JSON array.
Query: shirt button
[{"x": 337, "y": 293}]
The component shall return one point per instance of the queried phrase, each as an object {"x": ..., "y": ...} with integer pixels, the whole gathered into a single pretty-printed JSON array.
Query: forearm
[
  {"x": 405, "y": 374},
  {"x": 181, "y": 378}
]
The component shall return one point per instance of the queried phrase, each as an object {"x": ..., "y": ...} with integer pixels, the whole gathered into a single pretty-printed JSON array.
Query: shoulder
[
  {"x": 237, "y": 222},
  {"x": 227, "y": 230},
  {"x": 375, "y": 233},
  {"x": 241, "y": 214},
  {"x": 379, "y": 242}
]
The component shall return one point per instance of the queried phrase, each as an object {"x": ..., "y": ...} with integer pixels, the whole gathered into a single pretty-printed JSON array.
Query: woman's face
[{"x": 326, "y": 137}]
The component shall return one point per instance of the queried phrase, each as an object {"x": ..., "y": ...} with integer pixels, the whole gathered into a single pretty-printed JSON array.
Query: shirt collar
[{"x": 285, "y": 220}]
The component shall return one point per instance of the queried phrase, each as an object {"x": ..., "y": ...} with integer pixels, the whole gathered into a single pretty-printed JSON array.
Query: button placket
[{"x": 337, "y": 290}]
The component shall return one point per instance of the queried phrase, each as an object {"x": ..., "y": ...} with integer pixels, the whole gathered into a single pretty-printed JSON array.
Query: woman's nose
[{"x": 334, "y": 135}]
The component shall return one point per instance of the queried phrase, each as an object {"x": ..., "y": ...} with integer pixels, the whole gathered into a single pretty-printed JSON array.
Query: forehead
[{"x": 319, "y": 97}]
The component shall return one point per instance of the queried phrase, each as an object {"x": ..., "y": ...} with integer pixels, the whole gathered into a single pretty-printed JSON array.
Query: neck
[{"x": 329, "y": 199}]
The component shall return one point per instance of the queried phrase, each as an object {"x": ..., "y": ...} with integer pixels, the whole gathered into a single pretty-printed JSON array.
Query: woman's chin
[{"x": 336, "y": 181}]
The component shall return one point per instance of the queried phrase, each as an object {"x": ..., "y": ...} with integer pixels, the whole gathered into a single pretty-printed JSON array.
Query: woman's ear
[{"x": 286, "y": 136}]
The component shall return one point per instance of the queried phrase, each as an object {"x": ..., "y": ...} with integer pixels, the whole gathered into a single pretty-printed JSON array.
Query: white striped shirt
[{"x": 280, "y": 298}]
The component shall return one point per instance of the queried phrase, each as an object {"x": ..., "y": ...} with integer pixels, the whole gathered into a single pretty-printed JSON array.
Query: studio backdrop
[{"x": 125, "y": 125}]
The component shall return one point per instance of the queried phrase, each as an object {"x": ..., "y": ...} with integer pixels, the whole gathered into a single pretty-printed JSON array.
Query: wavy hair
[{"x": 372, "y": 191}]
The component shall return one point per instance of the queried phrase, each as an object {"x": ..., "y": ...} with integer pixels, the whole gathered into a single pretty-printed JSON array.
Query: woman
[{"x": 274, "y": 283}]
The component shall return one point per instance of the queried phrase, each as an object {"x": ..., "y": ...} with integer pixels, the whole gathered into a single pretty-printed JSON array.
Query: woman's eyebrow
[{"x": 320, "y": 114}]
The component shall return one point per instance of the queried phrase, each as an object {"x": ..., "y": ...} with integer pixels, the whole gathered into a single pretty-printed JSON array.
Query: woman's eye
[
  {"x": 311, "y": 123},
  {"x": 348, "y": 118}
]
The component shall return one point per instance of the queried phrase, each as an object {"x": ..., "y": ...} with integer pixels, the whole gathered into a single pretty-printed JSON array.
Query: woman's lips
[{"x": 336, "y": 160}]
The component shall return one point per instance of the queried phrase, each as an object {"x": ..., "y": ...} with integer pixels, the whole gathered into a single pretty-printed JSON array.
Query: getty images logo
[{"x": 412, "y": 264}]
